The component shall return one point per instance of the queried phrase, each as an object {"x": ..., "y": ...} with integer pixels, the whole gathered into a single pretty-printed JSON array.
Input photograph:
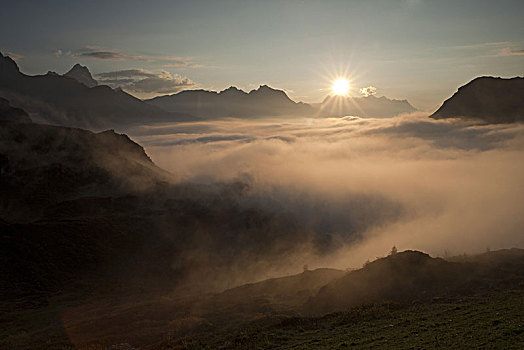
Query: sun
[{"x": 340, "y": 86}]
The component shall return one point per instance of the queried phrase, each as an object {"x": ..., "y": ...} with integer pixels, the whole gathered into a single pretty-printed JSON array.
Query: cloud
[
  {"x": 127, "y": 73},
  {"x": 486, "y": 45},
  {"x": 97, "y": 52},
  {"x": 359, "y": 186},
  {"x": 14, "y": 56},
  {"x": 180, "y": 63},
  {"x": 368, "y": 91},
  {"x": 162, "y": 84},
  {"x": 507, "y": 51},
  {"x": 143, "y": 81}
]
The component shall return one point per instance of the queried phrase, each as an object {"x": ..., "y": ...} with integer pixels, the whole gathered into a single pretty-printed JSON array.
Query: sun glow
[{"x": 340, "y": 86}]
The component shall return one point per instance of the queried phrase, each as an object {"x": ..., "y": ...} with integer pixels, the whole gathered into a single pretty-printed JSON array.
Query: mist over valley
[{"x": 232, "y": 175}]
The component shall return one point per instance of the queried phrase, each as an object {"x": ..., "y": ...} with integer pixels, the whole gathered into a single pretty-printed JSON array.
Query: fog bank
[{"x": 444, "y": 187}]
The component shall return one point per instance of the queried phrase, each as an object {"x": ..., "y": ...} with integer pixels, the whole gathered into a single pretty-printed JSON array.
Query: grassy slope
[
  {"x": 490, "y": 321},
  {"x": 264, "y": 316}
]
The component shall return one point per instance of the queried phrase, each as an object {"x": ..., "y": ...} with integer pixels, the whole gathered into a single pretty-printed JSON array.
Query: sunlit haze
[{"x": 281, "y": 174}]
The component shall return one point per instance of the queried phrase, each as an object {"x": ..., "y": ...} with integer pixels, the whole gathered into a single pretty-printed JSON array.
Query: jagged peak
[
  {"x": 266, "y": 90},
  {"x": 79, "y": 67},
  {"x": 81, "y": 74},
  {"x": 232, "y": 90}
]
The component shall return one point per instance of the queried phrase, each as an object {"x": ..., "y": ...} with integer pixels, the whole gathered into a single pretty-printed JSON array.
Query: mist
[{"x": 359, "y": 186}]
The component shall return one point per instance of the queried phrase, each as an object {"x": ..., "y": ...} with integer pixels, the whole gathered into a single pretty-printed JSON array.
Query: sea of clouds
[{"x": 444, "y": 187}]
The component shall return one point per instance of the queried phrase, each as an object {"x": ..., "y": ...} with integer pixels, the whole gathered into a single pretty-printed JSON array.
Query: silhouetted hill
[
  {"x": 412, "y": 275},
  {"x": 60, "y": 100},
  {"x": 370, "y": 106},
  {"x": 493, "y": 100},
  {"x": 42, "y": 165},
  {"x": 286, "y": 288},
  {"x": 232, "y": 102},
  {"x": 82, "y": 75}
]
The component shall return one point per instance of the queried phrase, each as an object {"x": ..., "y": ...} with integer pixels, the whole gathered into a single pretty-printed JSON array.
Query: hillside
[
  {"x": 43, "y": 165},
  {"x": 63, "y": 100},
  {"x": 232, "y": 102},
  {"x": 490, "y": 320},
  {"x": 492, "y": 100},
  {"x": 483, "y": 309},
  {"x": 413, "y": 275}
]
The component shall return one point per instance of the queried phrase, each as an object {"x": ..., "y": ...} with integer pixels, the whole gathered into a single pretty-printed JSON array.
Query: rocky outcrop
[{"x": 492, "y": 100}]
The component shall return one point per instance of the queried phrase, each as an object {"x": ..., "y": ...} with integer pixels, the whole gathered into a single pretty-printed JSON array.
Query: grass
[
  {"x": 490, "y": 321},
  {"x": 483, "y": 314}
]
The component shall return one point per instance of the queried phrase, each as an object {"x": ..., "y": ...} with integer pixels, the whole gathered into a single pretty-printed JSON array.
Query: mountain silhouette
[
  {"x": 60, "y": 100},
  {"x": 493, "y": 100},
  {"x": 232, "y": 102},
  {"x": 82, "y": 75},
  {"x": 369, "y": 106},
  {"x": 43, "y": 165}
]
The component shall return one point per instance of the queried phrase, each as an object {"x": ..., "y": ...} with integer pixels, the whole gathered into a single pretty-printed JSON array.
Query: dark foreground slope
[
  {"x": 493, "y": 100},
  {"x": 488, "y": 320},
  {"x": 484, "y": 310},
  {"x": 63, "y": 100},
  {"x": 413, "y": 275},
  {"x": 407, "y": 300}
]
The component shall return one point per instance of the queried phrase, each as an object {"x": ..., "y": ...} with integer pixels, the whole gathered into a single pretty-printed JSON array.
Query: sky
[{"x": 418, "y": 50}]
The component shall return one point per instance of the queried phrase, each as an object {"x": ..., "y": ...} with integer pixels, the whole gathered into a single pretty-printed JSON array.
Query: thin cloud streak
[{"x": 97, "y": 52}]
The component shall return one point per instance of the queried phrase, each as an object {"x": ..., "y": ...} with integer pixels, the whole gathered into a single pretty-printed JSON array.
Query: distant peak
[
  {"x": 81, "y": 74},
  {"x": 232, "y": 90},
  {"x": 79, "y": 68},
  {"x": 266, "y": 90}
]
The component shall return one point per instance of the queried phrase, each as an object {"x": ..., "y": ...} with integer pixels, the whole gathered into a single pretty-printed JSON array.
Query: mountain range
[
  {"x": 75, "y": 99},
  {"x": 67, "y": 100},
  {"x": 490, "y": 99},
  {"x": 232, "y": 102},
  {"x": 368, "y": 106}
]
